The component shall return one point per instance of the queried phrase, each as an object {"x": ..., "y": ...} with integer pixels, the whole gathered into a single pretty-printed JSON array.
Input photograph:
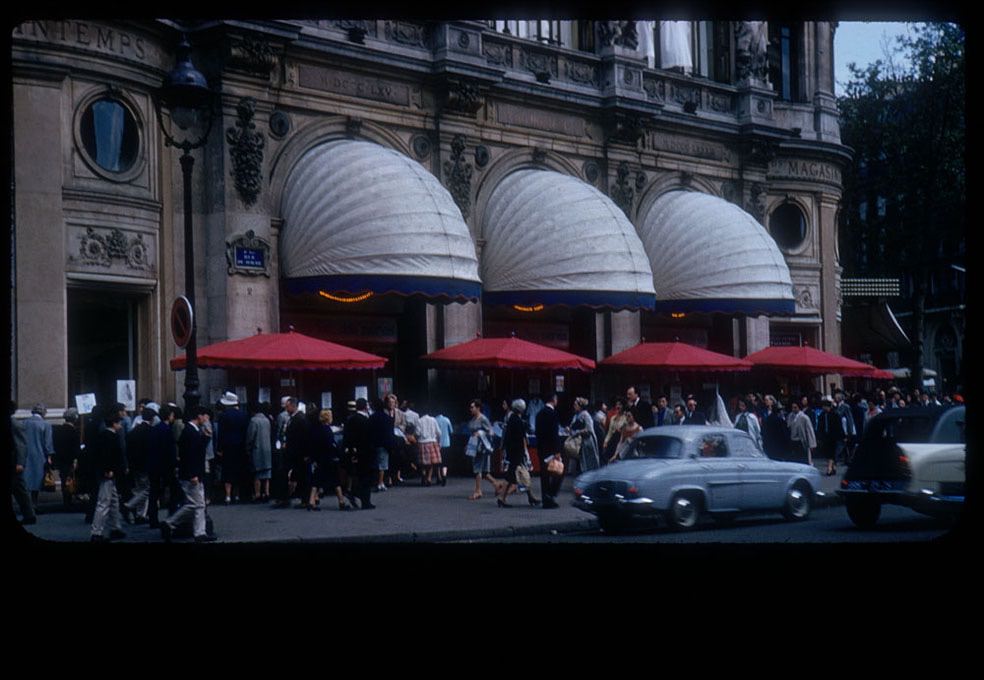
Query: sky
[{"x": 861, "y": 42}]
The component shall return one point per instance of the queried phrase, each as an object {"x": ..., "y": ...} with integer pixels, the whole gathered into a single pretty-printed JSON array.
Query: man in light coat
[{"x": 40, "y": 448}]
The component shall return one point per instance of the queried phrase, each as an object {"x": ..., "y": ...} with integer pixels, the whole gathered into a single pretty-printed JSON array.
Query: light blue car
[{"x": 680, "y": 472}]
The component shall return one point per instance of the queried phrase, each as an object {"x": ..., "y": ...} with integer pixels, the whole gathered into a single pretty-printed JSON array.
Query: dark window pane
[
  {"x": 787, "y": 225},
  {"x": 109, "y": 135}
]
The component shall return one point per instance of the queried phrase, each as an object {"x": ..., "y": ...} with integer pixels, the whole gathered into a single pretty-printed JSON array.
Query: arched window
[
  {"x": 109, "y": 134},
  {"x": 787, "y": 224}
]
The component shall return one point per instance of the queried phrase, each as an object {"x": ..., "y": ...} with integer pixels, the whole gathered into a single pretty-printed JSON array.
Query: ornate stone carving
[
  {"x": 580, "y": 72},
  {"x": 252, "y": 56},
  {"x": 620, "y": 33},
  {"x": 421, "y": 145},
  {"x": 102, "y": 248},
  {"x": 357, "y": 29},
  {"x": 686, "y": 178},
  {"x": 353, "y": 127},
  {"x": 759, "y": 152},
  {"x": 464, "y": 40},
  {"x": 482, "y": 156},
  {"x": 622, "y": 193},
  {"x": 406, "y": 33},
  {"x": 540, "y": 64},
  {"x": 463, "y": 98},
  {"x": 804, "y": 297},
  {"x": 248, "y": 254},
  {"x": 246, "y": 150},
  {"x": 625, "y": 128},
  {"x": 640, "y": 180},
  {"x": 591, "y": 171},
  {"x": 539, "y": 155},
  {"x": 498, "y": 54},
  {"x": 751, "y": 46},
  {"x": 720, "y": 102},
  {"x": 458, "y": 175},
  {"x": 654, "y": 89},
  {"x": 730, "y": 193},
  {"x": 756, "y": 202},
  {"x": 279, "y": 124},
  {"x": 684, "y": 94}
]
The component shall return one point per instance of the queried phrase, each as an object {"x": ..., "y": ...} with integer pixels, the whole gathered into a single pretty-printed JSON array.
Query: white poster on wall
[
  {"x": 264, "y": 395},
  {"x": 361, "y": 391},
  {"x": 326, "y": 400},
  {"x": 126, "y": 394},
  {"x": 85, "y": 403},
  {"x": 241, "y": 393}
]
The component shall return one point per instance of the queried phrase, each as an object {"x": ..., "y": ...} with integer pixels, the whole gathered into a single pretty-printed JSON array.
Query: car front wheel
[
  {"x": 684, "y": 512},
  {"x": 798, "y": 503},
  {"x": 864, "y": 512}
]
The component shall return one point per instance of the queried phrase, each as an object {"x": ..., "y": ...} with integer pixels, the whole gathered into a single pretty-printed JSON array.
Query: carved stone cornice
[
  {"x": 251, "y": 55},
  {"x": 543, "y": 65},
  {"x": 624, "y": 128},
  {"x": 463, "y": 97},
  {"x": 246, "y": 151},
  {"x": 759, "y": 151},
  {"x": 406, "y": 33}
]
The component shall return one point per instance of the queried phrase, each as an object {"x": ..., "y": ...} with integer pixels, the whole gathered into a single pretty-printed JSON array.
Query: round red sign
[{"x": 182, "y": 321}]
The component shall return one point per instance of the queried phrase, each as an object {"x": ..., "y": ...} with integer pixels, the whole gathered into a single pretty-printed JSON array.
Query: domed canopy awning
[
  {"x": 709, "y": 255},
  {"x": 359, "y": 218},
  {"x": 553, "y": 239}
]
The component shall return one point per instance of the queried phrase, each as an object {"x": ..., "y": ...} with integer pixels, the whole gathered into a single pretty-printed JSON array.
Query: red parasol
[
  {"x": 807, "y": 360},
  {"x": 506, "y": 353},
  {"x": 282, "y": 351},
  {"x": 879, "y": 374},
  {"x": 675, "y": 356}
]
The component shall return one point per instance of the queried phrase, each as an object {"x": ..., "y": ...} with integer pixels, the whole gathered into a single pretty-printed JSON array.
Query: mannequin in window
[{"x": 675, "y": 49}]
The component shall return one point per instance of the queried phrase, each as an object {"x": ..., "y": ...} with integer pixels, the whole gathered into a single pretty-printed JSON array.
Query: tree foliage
[{"x": 905, "y": 120}]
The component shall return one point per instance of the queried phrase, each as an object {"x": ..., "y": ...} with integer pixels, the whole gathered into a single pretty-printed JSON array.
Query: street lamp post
[{"x": 185, "y": 93}]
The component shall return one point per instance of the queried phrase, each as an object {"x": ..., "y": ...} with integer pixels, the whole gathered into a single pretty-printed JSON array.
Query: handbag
[
  {"x": 471, "y": 450},
  {"x": 572, "y": 446},
  {"x": 555, "y": 466},
  {"x": 49, "y": 479},
  {"x": 523, "y": 476}
]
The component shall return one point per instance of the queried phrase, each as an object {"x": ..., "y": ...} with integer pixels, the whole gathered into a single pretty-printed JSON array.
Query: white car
[
  {"x": 914, "y": 457},
  {"x": 680, "y": 472}
]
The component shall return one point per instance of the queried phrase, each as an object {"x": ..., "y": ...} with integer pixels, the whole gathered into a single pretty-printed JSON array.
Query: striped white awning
[
  {"x": 709, "y": 255},
  {"x": 360, "y": 217},
  {"x": 554, "y": 239}
]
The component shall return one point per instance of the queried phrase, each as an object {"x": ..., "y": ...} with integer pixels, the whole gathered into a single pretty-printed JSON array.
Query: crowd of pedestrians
[{"x": 162, "y": 467}]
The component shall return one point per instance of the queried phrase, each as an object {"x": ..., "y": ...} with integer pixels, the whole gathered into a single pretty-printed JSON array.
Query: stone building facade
[{"x": 97, "y": 193}]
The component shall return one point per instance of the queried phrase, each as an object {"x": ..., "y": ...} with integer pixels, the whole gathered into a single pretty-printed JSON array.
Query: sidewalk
[{"x": 405, "y": 514}]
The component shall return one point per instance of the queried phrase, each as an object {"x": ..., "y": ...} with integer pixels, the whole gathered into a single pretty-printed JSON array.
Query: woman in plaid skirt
[{"x": 429, "y": 448}]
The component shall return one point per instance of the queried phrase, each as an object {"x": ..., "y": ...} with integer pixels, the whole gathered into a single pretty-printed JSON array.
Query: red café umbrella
[
  {"x": 675, "y": 356},
  {"x": 282, "y": 351},
  {"x": 506, "y": 353},
  {"x": 807, "y": 360},
  {"x": 879, "y": 374}
]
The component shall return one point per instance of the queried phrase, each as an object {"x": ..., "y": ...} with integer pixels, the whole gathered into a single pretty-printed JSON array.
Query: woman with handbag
[
  {"x": 584, "y": 425},
  {"x": 480, "y": 449},
  {"x": 514, "y": 443},
  {"x": 615, "y": 425}
]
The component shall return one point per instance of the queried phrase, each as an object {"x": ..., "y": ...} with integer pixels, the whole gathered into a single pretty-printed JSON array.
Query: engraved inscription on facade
[
  {"x": 340, "y": 82},
  {"x": 89, "y": 36},
  {"x": 661, "y": 141},
  {"x": 509, "y": 114},
  {"x": 802, "y": 169}
]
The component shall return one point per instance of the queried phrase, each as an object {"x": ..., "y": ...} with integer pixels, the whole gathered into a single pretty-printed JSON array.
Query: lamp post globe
[{"x": 188, "y": 99}]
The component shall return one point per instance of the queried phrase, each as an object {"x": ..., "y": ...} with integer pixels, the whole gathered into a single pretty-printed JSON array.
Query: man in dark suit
[
  {"x": 641, "y": 409},
  {"x": 191, "y": 473},
  {"x": 693, "y": 416},
  {"x": 548, "y": 445},
  {"x": 662, "y": 414},
  {"x": 356, "y": 444}
]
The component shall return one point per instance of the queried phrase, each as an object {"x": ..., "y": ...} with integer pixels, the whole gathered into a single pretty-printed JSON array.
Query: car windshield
[{"x": 654, "y": 447}]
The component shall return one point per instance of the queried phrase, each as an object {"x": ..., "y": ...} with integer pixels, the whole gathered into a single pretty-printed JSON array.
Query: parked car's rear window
[{"x": 654, "y": 447}]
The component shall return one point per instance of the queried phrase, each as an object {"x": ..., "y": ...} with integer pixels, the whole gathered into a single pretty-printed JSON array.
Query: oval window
[
  {"x": 109, "y": 135},
  {"x": 787, "y": 225}
]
